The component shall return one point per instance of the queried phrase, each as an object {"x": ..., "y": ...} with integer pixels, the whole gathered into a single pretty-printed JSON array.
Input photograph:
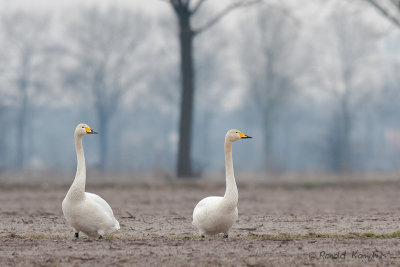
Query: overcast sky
[{"x": 58, "y": 5}]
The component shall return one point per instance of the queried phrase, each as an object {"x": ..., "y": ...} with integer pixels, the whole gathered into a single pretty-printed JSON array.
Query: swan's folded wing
[
  {"x": 207, "y": 202},
  {"x": 101, "y": 202}
]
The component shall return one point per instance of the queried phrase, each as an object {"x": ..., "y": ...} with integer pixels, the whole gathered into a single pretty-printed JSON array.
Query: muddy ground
[{"x": 278, "y": 225}]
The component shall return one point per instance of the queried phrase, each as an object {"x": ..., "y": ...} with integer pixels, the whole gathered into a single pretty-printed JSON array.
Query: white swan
[
  {"x": 214, "y": 215},
  {"x": 86, "y": 212}
]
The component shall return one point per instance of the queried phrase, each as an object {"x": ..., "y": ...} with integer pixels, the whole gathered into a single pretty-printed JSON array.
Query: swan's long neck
[
  {"x": 77, "y": 189},
  {"x": 231, "y": 193}
]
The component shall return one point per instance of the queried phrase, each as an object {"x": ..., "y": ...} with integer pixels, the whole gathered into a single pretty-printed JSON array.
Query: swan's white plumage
[
  {"x": 86, "y": 212},
  {"x": 101, "y": 202},
  {"x": 214, "y": 215},
  {"x": 91, "y": 215}
]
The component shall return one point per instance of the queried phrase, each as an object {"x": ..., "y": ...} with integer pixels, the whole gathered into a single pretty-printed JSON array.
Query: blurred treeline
[{"x": 316, "y": 83}]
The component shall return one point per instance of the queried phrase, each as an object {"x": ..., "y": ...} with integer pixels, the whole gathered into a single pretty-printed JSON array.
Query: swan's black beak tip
[
  {"x": 92, "y": 132},
  {"x": 247, "y": 137}
]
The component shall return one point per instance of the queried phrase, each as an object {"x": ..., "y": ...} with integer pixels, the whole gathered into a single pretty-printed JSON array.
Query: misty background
[{"x": 315, "y": 83}]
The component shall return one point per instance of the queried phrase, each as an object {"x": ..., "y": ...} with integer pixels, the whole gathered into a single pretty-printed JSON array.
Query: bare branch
[
  {"x": 385, "y": 13},
  {"x": 396, "y": 3},
  {"x": 197, "y": 6},
  {"x": 176, "y": 4},
  {"x": 223, "y": 13}
]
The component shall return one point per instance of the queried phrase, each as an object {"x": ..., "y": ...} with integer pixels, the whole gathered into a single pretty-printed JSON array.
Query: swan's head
[
  {"x": 234, "y": 135},
  {"x": 83, "y": 129}
]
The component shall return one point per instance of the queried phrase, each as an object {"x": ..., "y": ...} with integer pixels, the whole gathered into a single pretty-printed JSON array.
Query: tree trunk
[
  {"x": 21, "y": 121},
  {"x": 340, "y": 145},
  {"x": 20, "y": 139},
  {"x": 346, "y": 131},
  {"x": 184, "y": 168},
  {"x": 103, "y": 139},
  {"x": 268, "y": 154}
]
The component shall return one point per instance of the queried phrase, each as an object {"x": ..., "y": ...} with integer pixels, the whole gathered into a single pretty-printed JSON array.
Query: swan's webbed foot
[
  {"x": 77, "y": 235},
  {"x": 225, "y": 235},
  {"x": 100, "y": 237}
]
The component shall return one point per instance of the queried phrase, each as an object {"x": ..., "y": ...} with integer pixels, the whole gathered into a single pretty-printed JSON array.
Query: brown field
[{"x": 300, "y": 224}]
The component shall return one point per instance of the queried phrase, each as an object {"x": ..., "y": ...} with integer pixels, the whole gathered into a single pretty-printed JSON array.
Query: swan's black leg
[
  {"x": 202, "y": 236},
  {"x": 77, "y": 235},
  {"x": 225, "y": 235},
  {"x": 100, "y": 237}
]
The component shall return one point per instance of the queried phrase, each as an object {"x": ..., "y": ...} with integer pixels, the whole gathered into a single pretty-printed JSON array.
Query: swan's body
[
  {"x": 91, "y": 215},
  {"x": 214, "y": 215},
  {"x": 86, "y": 212},
  {"x": 211, "y": 216}
]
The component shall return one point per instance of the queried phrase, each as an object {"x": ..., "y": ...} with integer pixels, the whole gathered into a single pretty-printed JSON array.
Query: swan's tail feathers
[
  {"x": 116, "y": 226},
  {"x": 110, "y": 230}
]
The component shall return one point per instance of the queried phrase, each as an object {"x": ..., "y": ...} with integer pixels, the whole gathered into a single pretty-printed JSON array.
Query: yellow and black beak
[
  {"x": 90, "y": 131},
  {"x": 243, "y": 136}
]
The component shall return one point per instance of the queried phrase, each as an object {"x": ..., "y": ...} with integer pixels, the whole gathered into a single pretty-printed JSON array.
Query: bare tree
[
  {"x": 2, "y": 134},
  {"x": 353, "y": 43},
  {"x": 271, "y": 68},
  {"x": 106, "y": 44},
  {"x": 389, "y": 9},
  {"x": 185, "y": 10},
  {"x": 26, "y": 45}
]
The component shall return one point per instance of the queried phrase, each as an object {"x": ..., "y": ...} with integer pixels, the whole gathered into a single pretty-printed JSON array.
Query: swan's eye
[
  {"x": 236, "y": 132},
  {"x": 83, "y": 127}
]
